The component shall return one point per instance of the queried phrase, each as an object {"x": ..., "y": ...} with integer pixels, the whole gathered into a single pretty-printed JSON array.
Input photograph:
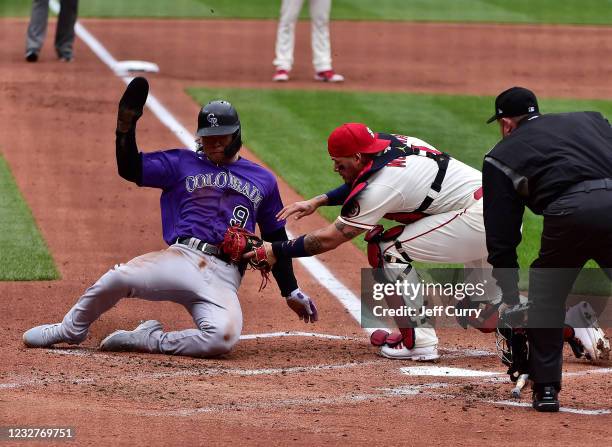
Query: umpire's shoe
[
  {"x": 545, "y": 399},
  {"x": 46, "y": 335},
  {"x": 138, "y": 340}
]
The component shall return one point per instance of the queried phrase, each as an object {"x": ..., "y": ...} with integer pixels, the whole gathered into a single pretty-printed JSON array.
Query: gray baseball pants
[
  {"x": 64, "y": 34},
  {"x": 205, "y": 285}
]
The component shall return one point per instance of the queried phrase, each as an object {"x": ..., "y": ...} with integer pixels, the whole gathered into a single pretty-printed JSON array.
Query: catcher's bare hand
[
  {"x": 269, "y": 254},
  {"x": 300, "y": 209},
  {"x": 303, "y": 306}
]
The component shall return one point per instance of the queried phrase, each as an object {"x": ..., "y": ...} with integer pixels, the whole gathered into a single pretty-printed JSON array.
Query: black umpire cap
[{"x": 515, "y": 101}]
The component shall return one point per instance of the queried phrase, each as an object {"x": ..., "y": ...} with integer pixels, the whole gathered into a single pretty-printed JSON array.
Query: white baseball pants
[{"x": 285, "y": 37}]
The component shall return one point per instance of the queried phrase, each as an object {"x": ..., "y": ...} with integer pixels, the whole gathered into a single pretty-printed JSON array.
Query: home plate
[{"x": 443, "y": 371}]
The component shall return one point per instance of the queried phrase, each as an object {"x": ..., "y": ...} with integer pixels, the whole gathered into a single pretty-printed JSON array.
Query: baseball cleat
[
  {"x": 400, "y": 352},
  {"x": 328, "y": 76},
  {"x": 584, "y": 335},
  {"x": 45, "y": 336},
  {"x": 31, "y": 56},
  {"x": 546, "y": 399},
  {"x": 281, "y": 76},
  {"x": 131, "y": 341}
]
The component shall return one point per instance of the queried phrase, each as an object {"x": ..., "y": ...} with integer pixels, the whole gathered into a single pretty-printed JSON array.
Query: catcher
[
  {"x": 435, "y": 197},
  {"x": 211, "y": 200}
]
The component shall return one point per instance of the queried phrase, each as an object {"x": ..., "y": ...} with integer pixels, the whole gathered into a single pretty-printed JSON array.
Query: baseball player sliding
[{"x": 203, "y": 194}]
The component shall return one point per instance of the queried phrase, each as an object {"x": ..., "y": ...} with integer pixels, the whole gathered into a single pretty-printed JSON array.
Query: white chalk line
[
  {"x": 297, "y": 334},
  {"x": 512, "y": 403},
  {"x": 445, "y": 371},
  {"x": 453, "y": 353}
]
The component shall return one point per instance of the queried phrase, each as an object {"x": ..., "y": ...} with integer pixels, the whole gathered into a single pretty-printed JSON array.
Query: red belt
[{"x": 478, "y": 194}]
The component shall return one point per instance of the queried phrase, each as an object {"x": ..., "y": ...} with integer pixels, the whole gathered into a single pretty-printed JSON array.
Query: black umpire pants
[{"x": 577, "y": 227}]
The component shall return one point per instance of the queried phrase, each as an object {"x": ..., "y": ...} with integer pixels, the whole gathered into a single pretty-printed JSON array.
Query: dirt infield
[{"x": 57, "y": 133}]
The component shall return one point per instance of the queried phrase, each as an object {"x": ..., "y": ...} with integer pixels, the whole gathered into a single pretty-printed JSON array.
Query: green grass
[
  {"x": 517, "y": 11},
  {"x": 289, "y": 129},
  {"x": 23, "y": 253}
]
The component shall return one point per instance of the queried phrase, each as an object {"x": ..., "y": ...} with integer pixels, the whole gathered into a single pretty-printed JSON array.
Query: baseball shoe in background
[
  {"x": 400, "y": 352},
  {"x": 329, "y": 76},
  {"x": 132, "y": 341},
  {"x": 281, "y": 76},
  {"x": 584, "y": 335},
  {"x": 46, "y": 335},
  {"x": 31, "y": 56}
]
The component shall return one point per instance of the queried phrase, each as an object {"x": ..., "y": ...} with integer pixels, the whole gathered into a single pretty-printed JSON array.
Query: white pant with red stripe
[
  {"x": 285, "y": 37},
  {"x": 454, "y": 237}
]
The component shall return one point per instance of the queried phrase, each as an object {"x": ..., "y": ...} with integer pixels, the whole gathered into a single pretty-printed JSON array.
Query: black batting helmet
[{"x": 220, "y": 118}]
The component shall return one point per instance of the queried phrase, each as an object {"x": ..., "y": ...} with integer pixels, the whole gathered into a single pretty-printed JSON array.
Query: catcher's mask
[
  {"x": 220, "y": 118},
  {"x": 512, "y": 349}
]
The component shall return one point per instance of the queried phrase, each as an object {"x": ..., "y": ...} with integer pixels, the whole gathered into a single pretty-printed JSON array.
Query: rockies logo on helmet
[{"x": 212, "y": 119}]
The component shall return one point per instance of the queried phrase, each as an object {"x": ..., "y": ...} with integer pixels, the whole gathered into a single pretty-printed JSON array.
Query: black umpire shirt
[{"x": 534, "y": 165}]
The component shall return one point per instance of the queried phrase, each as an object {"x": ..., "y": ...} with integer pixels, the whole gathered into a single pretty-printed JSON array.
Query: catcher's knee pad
[
  {"x": 583, "y": 334},
  {"x": 377, "y": 238}
]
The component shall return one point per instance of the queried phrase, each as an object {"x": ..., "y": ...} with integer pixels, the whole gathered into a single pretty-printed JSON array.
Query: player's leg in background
[
  {"x": 64, "y": 34},
  {"x": 320, "y": 40},
  {"x": 37, "y": 29},
  {"x": 285, "y": 35}
]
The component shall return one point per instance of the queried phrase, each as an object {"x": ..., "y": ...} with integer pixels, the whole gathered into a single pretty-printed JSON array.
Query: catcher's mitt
[{"x": 238, "y": 241}]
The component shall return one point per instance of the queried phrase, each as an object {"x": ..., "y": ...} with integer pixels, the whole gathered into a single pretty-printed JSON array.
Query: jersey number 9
[{"x": 240, "y": 216}]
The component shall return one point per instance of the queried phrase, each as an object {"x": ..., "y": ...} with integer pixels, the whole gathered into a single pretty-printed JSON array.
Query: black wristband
[
  {"x": 338, "y": 196},
  {"x": 290, "y": 249}
]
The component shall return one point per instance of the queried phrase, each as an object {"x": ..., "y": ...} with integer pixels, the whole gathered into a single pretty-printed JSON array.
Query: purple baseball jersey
[{"x": 202, "y": 200}]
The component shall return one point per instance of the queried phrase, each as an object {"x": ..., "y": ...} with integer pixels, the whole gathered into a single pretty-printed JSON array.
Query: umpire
[{"x": 560, "y": 166}]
